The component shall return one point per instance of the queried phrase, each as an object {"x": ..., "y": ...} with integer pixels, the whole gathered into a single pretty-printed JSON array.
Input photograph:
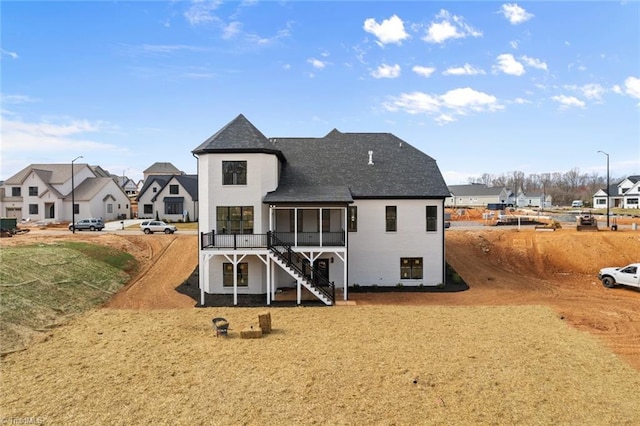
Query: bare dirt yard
[{"x": 535, "y": 340}]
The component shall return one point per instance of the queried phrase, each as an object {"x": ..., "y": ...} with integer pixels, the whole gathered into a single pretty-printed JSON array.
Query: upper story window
[
  {"x": 16, "y": 191},
  {"x": 33, "y": 191},
  {"x": 234, "y": 219},
  {"x": 234, "y": 172},
  {"x": 352, "y": 222},
  {"x": 155, "y": 189},
  {"x": 173, "y": 189},
  {"x": 432, "y": 218},
  {"x": 391, "y": 216}
]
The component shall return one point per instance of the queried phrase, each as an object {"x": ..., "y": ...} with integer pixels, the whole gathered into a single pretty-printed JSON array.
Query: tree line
[{"x": 563, "y": 187}]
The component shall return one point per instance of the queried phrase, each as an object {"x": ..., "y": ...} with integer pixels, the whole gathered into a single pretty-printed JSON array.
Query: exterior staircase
[{"x": 319, "y": 286}]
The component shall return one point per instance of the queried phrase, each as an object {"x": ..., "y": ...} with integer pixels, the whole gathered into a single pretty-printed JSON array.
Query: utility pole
[{"x": 607, "y": 190}]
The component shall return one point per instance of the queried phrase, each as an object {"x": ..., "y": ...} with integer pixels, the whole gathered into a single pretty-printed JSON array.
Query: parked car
[
  {"x": 151, "y": 226},
  {"x": 628, "y": 275},
  {"x": 91, "y": 224}
]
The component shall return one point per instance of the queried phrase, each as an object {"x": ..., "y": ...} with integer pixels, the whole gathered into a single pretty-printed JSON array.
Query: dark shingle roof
[
  {"x": 239, "y": 135},
  {"x": 336, "y": 168},
  {"x": 341, "y": 160},
  {"x": 161, "y": 179}
]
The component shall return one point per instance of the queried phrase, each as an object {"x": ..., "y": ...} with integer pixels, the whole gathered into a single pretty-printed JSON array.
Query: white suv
[{"x": 151, "y": 226}]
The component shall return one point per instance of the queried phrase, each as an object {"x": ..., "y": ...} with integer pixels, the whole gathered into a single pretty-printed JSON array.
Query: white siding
[
  {"x": 374, "y": 254},
  {"x": 262, "y": 177}
]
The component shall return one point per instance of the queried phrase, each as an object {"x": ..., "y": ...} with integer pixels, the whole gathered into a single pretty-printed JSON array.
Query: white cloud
[
  {"x": 514, "y": 44},
  {"x": 515, "y": 14},
  {"x": 444, "y": 108},
  {"x": 589, "y": 91},
  {"x": 464, "y": 70},
  {"x": 445, "y": 119},
  {"x": 262, "y": 41},
  {"x": 534, "y": 63},
  {"x": 12, "y": 55},
  {"x": 567, "y": 102},
  {"x": 632, "y": 87},
  {"x": 388, "y": 31},
  {"x": 317, "y": 63},
  {"x": 469, "y": 99},
  {"x": 414, "y": 103},
  {"x": 521, "y": 101},
  {"x": 200, "y": 12},
  {"x": 423, "y": 71},
  {"x": 231, "y": 30},
  {"x": 593, "y": 91},
  {"x": 168, "y": 48},
  {"x": 449, "y": 26},
  {"x": 508, "y": 65},
  {"x": 67, "y": 135},
  {"x": 16, "y": 99},
  {"x": 386, "y": 71}
]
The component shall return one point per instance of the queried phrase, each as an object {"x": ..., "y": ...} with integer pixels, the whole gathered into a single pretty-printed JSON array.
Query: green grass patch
[
  {"x": 44, "y": 284},
  {"x": 116, "y": 258}
]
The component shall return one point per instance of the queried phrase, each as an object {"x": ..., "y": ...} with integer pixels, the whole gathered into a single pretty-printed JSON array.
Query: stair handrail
[{"x": 273, "y": 242}]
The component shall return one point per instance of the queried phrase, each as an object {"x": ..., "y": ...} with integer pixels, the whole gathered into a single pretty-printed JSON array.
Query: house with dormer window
[
  {"x": 319, "y": 214},
  {"x": 43, "y": 193},
  {"x": 624, "y": 194}
]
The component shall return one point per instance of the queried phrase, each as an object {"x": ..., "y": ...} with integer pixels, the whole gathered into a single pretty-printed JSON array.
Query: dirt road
[{"x": 173, "y": 259}]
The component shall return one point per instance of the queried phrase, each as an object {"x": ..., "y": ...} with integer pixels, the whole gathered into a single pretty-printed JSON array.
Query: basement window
[
  {"x": 242, "y": 275},
  {"x": 411, "y": 268}
]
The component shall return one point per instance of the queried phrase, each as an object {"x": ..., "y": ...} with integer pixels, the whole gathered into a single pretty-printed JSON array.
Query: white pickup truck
[{"x": 628, "y": 275}]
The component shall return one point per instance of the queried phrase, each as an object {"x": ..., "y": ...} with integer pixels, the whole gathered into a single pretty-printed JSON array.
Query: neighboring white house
[
  {"x": 319, "y": 213},
  {"x": 169, "y": 197},
  {"x": 624, "y": 194},
  {"x": 42, "y": 192}
]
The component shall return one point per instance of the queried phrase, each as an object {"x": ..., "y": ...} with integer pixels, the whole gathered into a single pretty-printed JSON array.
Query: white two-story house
[
  {"x": 46, "y": 192},
  {"x": 316, "y": 213}
]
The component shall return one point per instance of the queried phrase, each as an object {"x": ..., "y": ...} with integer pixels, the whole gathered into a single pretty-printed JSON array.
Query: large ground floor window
[
  {"x": 243, "y": 274},
  {"x": 173, "y": 207},
  {"x": 411, "y": 268}
]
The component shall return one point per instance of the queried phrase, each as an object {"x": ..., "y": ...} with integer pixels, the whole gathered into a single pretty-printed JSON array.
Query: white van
[{"x": 576, "y": 204}]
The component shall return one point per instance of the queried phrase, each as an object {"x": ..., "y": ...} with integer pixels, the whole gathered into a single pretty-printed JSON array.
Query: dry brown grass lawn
[{"x": 341, "y": 365}]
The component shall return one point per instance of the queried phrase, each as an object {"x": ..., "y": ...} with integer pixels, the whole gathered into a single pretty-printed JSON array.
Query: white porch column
[
  {"x": 295, "y": 226},
  {"x": 201, "y": 275},
  {"x": 299, "y": 291},
  {"x": 320, "y": 227},
  {"x": 346, "y": 250},
  {"x": 235, "y": 279},
  {"x": 269, "y": 283}
]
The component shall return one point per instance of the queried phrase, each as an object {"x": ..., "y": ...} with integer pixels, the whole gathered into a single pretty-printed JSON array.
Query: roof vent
[{"x": 371, "y": 158}]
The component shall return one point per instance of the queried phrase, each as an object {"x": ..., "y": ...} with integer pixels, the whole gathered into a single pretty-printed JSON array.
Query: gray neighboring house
[
  {"x": 481, "y": 195},
  {"x": 169, "y": 197},
  {"x": 42, "y": 193},
  {"x": 316, "y": 213},
  {"x": 478, "y": 195}
]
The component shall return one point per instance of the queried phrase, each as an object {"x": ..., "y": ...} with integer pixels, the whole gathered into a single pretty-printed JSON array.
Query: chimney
[{"x": 371, "y": 158}]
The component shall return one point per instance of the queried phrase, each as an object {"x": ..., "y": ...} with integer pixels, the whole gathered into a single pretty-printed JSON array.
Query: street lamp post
[
  {"x": 607, "y": 191},
  {"x": 73, "y": 198}
]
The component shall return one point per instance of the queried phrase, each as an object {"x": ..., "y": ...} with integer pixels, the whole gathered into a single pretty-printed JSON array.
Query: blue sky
[{"x": 482, "y": 87}]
